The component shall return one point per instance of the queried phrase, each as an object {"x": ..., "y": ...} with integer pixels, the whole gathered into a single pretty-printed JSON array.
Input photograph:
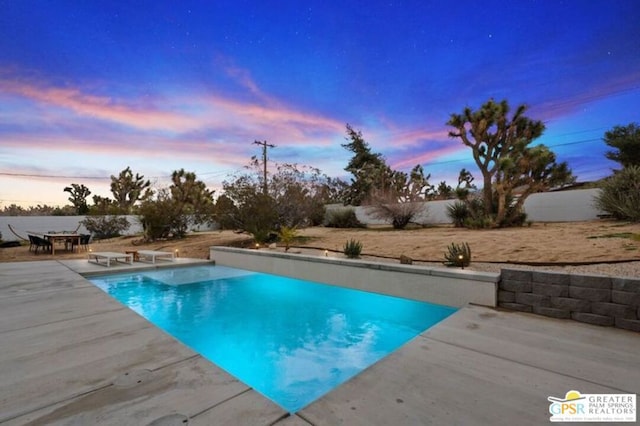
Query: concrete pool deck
[{"x": 70, "y": 354}]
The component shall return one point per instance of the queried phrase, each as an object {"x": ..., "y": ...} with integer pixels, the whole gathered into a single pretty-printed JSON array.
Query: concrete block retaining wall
[{"x": 593, "y": 299}]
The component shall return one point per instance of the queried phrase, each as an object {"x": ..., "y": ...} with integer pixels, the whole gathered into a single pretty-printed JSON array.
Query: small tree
[
  {"x": 371, "y": 174},
  {"x": 365, "y": 166},
  {"x": 297, "y": 194},
  {"x": 226, "y": 213},
  {"x": 158, "y": 216},
  {"x": 259, "y": 216},
  {"x": 626, "y": 143}
]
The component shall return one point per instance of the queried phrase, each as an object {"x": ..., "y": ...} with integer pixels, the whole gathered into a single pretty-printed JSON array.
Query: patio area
[{"x": 73, "y": 355}]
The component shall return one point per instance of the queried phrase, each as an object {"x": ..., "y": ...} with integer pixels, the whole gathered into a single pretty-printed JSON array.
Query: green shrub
[
  {"x": 514, "y": 218},
  {"x": 352, "y": 249},
  {"x": 458, "y": 255},
  {"x": 317, "y": 214},
  {"x": 261, "y": 235},
  {"x": 469, "y": 213},
  {"x": 343, "y": 218},
  {"x": 480, "y": 222},
  {"x": 458, "y": 212},
  {"x": 620, "y": 194},
  {"x": 105, "y": 226},
  {"x": 160, "y": 219}
]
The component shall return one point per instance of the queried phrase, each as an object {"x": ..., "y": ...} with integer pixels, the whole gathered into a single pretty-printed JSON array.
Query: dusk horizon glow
[{"x": 88, "y": 89}]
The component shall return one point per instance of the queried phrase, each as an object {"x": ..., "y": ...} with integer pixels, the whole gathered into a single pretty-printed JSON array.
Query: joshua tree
[
  {"x": 127, "y": 189},
  {"x": 78, "y": 198},
  {"x": 500, "y": 147}
]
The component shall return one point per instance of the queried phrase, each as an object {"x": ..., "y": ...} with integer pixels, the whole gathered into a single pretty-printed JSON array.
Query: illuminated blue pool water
[{"x": 291, "y": 340}]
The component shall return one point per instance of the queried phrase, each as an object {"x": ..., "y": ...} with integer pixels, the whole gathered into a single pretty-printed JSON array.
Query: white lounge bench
[
  {"x": 108, "y": 256},
  {"x": 152, "y": 255}
]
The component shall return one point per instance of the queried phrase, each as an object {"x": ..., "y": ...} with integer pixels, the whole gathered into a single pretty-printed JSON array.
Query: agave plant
[
  {"x": 458, "y": 255},
  {"x": 352, "y": 249},
  {"x": 458, "y": 212}
]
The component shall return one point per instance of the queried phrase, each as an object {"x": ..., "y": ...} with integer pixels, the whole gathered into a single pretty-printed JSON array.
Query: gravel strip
[{"x": 628, "y": 269}]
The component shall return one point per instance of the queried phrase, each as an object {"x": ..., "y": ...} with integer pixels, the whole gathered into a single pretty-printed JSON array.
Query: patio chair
[
  {"x": 83, "y": 241},
  {"x": 38, "y": 243},
  {"x": 32, "y": 243}
]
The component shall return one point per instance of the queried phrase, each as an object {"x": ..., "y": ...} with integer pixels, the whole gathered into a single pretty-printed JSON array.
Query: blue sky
[{"x": 88, "y": 88}]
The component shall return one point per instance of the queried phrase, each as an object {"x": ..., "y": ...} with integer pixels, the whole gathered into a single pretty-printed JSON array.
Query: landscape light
[{"x": 461, "y": 259}]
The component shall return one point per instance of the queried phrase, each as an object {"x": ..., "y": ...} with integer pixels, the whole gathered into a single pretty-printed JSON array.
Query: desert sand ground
[{"x": 611, "y": 247}]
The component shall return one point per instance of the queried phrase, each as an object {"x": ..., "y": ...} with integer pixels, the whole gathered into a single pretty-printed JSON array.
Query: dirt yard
[{"x": 596, "y": 242}]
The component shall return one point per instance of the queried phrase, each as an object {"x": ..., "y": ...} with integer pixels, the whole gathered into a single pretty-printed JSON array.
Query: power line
[
  {"x": 52, "y": 176},
  {"x": 218, "y": 173}
]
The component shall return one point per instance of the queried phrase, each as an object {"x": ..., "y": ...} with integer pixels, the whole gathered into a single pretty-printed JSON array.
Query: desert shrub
[
  {"x": 620, "y": 194},
  {"x": 259, "y": 217},
  {"x": 317, "y": 214},
  {"x": 343, "y": 218},
  {"x": 399, "y": 214},
  {"x": 105, "y": 226},
  {"x": 161, "y": 219},
  {"x": 352, "y": 249},
  {"x": 469, "y": 213},
  {"x": 264, "y": 236},
  {"x": 390, "y": 207},
  {"x": 458, "y": 212},
  {"x": 226, "y": 213},
  {"x": 458, "y": 255},
  {"x": 514, "y": 218},
  {"x": 481, "y": 222}
]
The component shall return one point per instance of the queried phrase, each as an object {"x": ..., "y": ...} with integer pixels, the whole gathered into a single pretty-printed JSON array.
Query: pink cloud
[
  {"x": 211, "y": 113},
  {"x": 100, "y": 107}
]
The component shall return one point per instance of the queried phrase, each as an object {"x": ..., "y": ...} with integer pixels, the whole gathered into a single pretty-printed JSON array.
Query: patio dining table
[{"x": 64, "y": 237}]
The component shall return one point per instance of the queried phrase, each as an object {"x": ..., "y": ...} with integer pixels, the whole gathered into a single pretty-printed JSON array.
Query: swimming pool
[{"x": 291, "y": 340}]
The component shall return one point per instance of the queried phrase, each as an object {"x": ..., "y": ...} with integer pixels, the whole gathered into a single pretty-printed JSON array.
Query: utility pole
[{"x": 264, "y": 145}]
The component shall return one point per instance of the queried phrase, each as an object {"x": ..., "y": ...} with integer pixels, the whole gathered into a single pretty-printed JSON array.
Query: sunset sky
[{"x": 88, "y": 88}]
